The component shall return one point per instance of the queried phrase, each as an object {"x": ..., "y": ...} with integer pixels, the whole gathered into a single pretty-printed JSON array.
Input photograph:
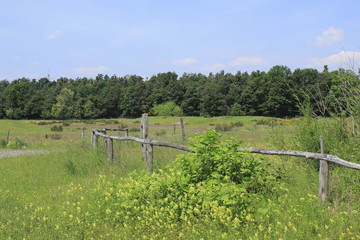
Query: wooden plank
[{"x": 318, "y": 156}]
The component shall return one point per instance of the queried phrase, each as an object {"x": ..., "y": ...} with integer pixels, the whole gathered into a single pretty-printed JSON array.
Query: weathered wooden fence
[{"x": 147, "y": 152}]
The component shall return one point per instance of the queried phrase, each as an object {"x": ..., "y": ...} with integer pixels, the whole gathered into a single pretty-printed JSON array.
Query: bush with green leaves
[
  {"x": 214, "y": 183},
  {"x": 57, "y": 128},
  {"x": 167, "y": 109},
  {"x": 17, "y": 144}
]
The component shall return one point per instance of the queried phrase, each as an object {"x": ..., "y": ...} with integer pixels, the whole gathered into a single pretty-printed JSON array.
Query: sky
[{"x": 81, "y": 38}]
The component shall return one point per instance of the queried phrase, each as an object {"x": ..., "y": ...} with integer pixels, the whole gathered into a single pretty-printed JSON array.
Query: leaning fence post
[
  {"x": 147, "y": 150},
  {"x": 182, "y": 129},
  {"x": 110, "y": 149},
  {"x": 323, "y": 176}
]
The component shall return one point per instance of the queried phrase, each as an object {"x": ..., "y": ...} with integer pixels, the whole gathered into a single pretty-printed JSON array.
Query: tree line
[{"x": 278, "y": 92}]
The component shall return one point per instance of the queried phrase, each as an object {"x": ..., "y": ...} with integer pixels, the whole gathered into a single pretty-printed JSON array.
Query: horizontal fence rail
[{"x": 294, "y": 153}]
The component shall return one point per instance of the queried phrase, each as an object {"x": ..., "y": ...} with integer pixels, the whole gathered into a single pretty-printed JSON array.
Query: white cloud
[
  {"x": 54, "y": 34},
  {"x": 91, "y": 70},
  {"x": 185, "y": 61},
  {"x": 330, "y": 37},
  {"x": 34, "y": 63},
  {"x": 345, "y": 59},
  {"x": 238, "y": 62},
  {"x": 247, "y": 61},
  {"x": 213, "y": 67}
]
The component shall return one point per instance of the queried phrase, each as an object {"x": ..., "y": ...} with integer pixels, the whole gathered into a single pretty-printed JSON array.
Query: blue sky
[{"x": 81, "y": 38}]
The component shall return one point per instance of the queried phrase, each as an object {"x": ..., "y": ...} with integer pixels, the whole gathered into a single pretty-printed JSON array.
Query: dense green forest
[{"x": 277, "y": 93}]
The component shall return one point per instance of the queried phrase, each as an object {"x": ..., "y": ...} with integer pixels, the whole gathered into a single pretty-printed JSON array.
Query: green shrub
[
  {"x": 215, "y": 183},
  {"x": 57, "y": 128},
  {"x": 224, "y": 127},
  {"x": 238, "y": 124},
  {"x": 167, "y": 109},
  {"x": 2, "y": 143},
  {"x": 17, "y": 144}
]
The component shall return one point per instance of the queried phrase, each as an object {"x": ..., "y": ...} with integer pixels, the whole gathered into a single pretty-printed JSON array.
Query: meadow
[{"x": 72, "y": 192}]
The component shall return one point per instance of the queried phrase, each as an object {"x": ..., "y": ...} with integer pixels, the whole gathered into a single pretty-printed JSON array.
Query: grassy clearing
[{"x": 70, "y": 193}]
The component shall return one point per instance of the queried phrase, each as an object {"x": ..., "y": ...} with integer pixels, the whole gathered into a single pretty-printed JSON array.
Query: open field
[{"x": 71, "y": 192}]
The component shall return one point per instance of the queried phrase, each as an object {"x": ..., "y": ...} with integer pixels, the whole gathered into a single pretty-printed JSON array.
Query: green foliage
[
  {"x": 224, "y": 127},
  {"x": 57, "y": 128},
  {"x": 17, "y": 144},
  {"x": 167, "y": 109},
  {"x": 64, "y": 107},
  {"x": 2, "y": 143},
  {"x": 161, "y": 132}
]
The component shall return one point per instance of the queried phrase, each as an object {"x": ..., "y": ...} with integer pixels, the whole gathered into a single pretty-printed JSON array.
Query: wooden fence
[{"x": 147, "y": 152}]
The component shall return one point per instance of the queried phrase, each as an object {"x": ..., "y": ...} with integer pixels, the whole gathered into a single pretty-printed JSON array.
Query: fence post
[
  {"x": 174, "y": 129},
  {"x": 182, "y": 129},
  {"x": 147, "y": 150},
  {"x": 127, "y": 132},
  {"x": 323, "y": 176},
  {"x": 94, "y": 139},
  {"x": 82, "y": 132},
  {"x": 105, "y": 141},
  {"x": 7, "y": 137},
  {"x": 110, "y": 149}
]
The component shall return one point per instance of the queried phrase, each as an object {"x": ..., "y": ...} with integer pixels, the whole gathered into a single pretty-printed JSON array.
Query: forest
[{"x": 279, "y": 92}]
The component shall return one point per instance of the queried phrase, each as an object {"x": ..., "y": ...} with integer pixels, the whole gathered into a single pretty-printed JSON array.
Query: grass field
[{"x": 71, "y": 191}]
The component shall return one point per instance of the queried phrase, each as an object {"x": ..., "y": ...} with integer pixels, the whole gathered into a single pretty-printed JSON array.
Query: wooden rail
[{"x": 147, "y": 151}]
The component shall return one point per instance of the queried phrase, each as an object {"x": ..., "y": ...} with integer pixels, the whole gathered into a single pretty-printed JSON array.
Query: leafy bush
[
  {"x": 215, "y": 183},
  {"x": 57, "y": 128},
  {"x": 2, "y": 143},
  {"x": 167, "y": 109},
  {"x": 238, "y": 124},
  {"x": 224, "y": 127},
  {"x": 17, "y": 144}
]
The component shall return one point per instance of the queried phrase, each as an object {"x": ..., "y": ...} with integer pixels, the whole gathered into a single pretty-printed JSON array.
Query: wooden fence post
[
  {"x": 174, "y": 129},
  {"x": 182, "y": 129},
  {"x": 110, "y": 149},
  {"x": 323, "y": 176},
  {"x": 94, "y": 139},
  {"x": 7, "y": 137},
  {"x": 127, "y": 132},
  {"x": 147, "y": 150},
  {"x": 82, "y": 132}
]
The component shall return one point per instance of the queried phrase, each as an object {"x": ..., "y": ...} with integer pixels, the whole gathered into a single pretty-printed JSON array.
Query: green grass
[{"x": 61, "y": 194}]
